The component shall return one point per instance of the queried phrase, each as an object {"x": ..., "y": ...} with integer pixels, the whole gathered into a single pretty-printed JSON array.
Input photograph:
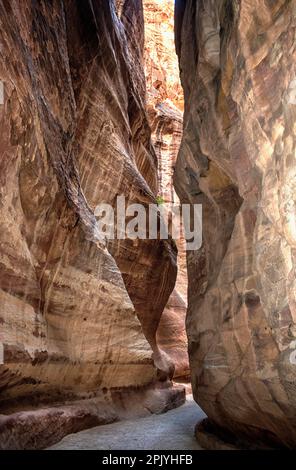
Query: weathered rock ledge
[
  {"x": 237, "y": 159},
  {"x": 42, "y": 427}
]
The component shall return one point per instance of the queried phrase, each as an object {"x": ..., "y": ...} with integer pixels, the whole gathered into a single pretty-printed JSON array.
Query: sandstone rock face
[
  {"x": 165, "y": 112},
  {"x": 237, "y": 158},
  {"x": 76, "y": 314}
]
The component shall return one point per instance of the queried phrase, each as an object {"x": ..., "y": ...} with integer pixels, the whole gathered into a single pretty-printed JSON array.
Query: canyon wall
[
  {"x": 165, "y": 113},
  {"x": 78, "y": 313},
  {"x": 237, "y": 158}
]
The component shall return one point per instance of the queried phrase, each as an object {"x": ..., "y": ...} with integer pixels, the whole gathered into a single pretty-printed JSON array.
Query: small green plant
[{"x": 159, "y": 200}]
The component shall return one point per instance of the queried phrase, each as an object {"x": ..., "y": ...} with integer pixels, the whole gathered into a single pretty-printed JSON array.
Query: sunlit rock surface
[
  {"x": 161, "y": 63},
  {"x": 237, "y": 158},
  {"x": 165, "y": 113},
  {"x": 76, "y": 314}
]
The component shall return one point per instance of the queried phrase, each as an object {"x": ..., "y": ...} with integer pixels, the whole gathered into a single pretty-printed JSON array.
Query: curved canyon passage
[{"x": 96, "y": 107}]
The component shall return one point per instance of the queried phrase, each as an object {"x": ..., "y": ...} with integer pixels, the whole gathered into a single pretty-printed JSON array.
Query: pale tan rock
[
  {"x": 76, "y": 314},
  {"x": 161, "y": 62},
  {"x": 237, "y": 158},
  {"x": 165, "y": 113}
]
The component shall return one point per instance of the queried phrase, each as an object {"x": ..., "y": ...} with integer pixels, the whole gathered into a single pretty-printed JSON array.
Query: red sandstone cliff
[{"x": 77, "y": 315}]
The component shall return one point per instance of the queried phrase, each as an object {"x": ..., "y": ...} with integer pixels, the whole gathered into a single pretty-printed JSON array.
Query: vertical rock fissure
[{"x": 165, "y": 114}]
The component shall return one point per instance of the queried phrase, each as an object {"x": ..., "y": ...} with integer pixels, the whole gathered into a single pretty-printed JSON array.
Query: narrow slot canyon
[{"x": 116, "y": 333}]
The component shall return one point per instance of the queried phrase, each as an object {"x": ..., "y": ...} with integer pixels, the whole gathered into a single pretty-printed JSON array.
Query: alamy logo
[{"x": 153, "y": 221}]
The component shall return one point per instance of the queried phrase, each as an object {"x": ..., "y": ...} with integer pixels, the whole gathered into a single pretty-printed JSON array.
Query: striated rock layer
[
  {"x": 77, "y": 314},
  {"x": 237, "y": 158},
  {"x": 165, "y": 114}
]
